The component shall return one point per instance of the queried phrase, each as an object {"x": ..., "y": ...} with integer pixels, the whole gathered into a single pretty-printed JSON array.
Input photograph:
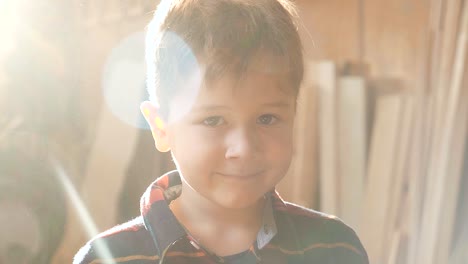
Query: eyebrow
[
  {"x": 207, "y": 108},
  {"x": 277, "y": 104}
]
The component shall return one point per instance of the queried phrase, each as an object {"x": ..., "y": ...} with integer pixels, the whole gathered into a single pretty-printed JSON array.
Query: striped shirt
[{"x": 289, "y": 234}]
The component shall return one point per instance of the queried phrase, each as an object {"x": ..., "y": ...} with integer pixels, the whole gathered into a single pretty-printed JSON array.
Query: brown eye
[
  {"x": 266, "y": 119},
  {"x": 213, "y": 121}
]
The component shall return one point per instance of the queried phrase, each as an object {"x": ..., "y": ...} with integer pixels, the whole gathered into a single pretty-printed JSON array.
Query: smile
[{"x": 241, "y": 176}]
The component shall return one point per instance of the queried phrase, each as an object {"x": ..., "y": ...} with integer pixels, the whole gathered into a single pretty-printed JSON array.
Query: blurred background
[{"x": 381, "y": 131}]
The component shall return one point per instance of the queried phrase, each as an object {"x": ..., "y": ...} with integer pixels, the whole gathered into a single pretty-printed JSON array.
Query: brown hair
[{"x": 226, "y": 35}]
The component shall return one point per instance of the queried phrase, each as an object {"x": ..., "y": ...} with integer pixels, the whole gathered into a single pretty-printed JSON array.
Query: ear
[{"x": 157, "y": 125}]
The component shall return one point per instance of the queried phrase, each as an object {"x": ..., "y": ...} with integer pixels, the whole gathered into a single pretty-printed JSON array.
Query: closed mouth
[{"x": 241, "y": 176}]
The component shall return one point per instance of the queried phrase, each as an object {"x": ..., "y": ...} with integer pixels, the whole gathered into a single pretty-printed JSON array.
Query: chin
[{"x": 238, "y": 202}]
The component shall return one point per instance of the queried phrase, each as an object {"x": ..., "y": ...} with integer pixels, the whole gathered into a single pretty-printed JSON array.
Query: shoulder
[
  {"x": 125, "y": 242},
  {"x": 323, "y": 234},
  {"x": 303, "y": 218}
]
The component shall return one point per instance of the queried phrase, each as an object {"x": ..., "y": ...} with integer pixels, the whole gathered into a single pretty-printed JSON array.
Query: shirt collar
[{"x": 164, "y": 227}]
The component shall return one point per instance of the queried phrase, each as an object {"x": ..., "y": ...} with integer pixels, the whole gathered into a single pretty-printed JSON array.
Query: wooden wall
[{"x": 390, "y": 38}]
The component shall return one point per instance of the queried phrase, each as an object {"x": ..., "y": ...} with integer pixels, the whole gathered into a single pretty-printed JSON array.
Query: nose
[{"x": 242, "y": 142}]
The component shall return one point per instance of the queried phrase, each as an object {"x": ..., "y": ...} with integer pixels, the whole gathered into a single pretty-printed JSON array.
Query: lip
[{"x": 241, "y": 176}]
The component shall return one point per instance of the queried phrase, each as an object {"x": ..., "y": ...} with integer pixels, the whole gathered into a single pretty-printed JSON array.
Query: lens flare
[{"x": 90, "y": 227}]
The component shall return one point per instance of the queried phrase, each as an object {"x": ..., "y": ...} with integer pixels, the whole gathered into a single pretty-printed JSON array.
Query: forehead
[
  {"x": 252, "y": 85},
  {"x": 262, "y": 72},
  {"x": 254, "y": 89},
  {"x": 241, "y": 67}
]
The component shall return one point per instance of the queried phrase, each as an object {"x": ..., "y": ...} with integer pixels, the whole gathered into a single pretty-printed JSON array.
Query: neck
[
  {"x": 210, "y": 223},
  {"x": 191, "y": 207}
]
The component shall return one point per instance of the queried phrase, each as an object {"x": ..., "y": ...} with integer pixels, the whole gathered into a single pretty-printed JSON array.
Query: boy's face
[{"x": 235, "y": 143}]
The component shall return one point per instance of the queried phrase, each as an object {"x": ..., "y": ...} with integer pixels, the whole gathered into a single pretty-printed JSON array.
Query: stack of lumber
[
  {"x": 390, "y": 158},
  {"x": 447, "y": 120}
]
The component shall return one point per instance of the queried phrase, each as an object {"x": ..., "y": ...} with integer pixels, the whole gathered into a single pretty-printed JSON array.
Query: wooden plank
[
  {"x": 437, "y": 8},
  {"x": 380, "y": 174},
  {"x": 459, "y": 254},
  {"x": 403, "y": 227},
  {"x": 445, "y": 28},
  {"x": 352, "y": 141},
  {"x": 423, "y": 131},
  {"x": 394, "y": 248},
  {"x": 300, "y": 183},
  {"x": 423, "y": 140},
  {"x": 443, "y": 24},
  {"x": 305, "y": 188},
  {"x": 415, "y": 175},
  {"x": 453, "y": 175},
  {"x": 397, "y": 195},
  {"x": 326, "y": 83},
  {"x": 433, "y": 209}
]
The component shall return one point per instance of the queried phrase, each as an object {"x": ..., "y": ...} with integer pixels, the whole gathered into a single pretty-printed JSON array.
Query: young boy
[{"x": 223, "y": 78}]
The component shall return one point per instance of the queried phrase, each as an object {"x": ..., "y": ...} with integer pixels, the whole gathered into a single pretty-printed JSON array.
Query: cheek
[
  {"x": 195, "y": 151},
  {"x": 279, "y": 146}
]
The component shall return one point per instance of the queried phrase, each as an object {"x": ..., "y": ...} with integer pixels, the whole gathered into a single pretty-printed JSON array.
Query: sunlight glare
[{"x": 101, "y": 248}]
